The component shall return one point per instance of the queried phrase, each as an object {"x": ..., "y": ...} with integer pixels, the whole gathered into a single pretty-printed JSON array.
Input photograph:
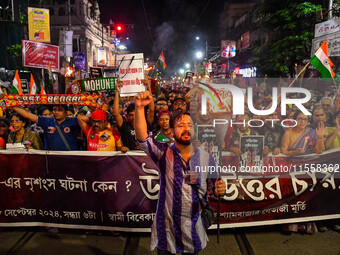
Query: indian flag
[
  {"x": 322, "y": 63},
  {"x": 42, "y": 90},
  {"x": 16, "y": 87},
  {"x": 33, "y": 86},
  {"x": 161, "y": 59}
]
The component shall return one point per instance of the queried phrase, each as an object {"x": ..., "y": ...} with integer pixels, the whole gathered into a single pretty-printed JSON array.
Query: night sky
[{"x": 174, "y": 24}]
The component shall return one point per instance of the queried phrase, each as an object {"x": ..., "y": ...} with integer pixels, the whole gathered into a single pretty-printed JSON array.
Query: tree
[{"x": 290, "y": 26}]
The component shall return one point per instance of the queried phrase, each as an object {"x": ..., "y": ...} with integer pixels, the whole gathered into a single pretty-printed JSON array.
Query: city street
[{"x": 260, "y": 240}]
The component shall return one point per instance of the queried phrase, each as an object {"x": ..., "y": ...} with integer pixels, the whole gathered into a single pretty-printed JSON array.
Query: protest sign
[{"x": 131, "y": 74}]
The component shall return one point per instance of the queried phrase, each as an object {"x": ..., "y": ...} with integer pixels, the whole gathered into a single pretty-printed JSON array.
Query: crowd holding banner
[{"x": 97, "y": 194}]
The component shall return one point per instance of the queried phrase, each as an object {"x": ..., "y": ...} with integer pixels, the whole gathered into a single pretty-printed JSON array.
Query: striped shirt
[{"x": 178, "y": 226}]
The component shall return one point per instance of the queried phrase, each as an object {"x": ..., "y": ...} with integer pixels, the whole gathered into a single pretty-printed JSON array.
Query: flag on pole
[
  {"x": 161, "y": 60},
  {"x": 16, "y": 87},
  {"x": 50, "y": 76},
  {"x": 322, "y": 63},
  {"x": 33, "y": 86},
  {"x": 42, "y": 90}
]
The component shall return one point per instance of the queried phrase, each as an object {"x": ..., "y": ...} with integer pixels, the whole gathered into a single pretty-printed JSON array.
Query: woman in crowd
[
  {"x": 302, "y": 139},
  {"x": 4, "y": 126},
  {"x": 28, "y": 138}
]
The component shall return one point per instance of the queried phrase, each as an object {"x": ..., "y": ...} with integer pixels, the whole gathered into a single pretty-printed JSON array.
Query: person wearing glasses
[
  {"x": 99, "y": 136},
  {"x": 29, "y": 139},
  {"x": 60, "y": 132},
  {"x": 301, "y": 139},
  {"x": 179, "y": 103}
]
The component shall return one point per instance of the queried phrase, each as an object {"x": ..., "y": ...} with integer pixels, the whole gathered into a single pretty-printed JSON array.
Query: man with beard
[
  {"x": 60, "y": 132},
  {"x": 178, "y": 226},
  {"x": 99, "y": 136}
]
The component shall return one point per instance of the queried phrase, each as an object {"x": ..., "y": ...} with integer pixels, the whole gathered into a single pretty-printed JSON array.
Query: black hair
[
  {"x": 70, "y": 108},
  {"x": 165, "y": 92},
  {"x": 130, "y": 108},
  {"x": 177, "y": 115},
  {"x": 64, "y": 106},
  {"x": 20, "y": 118},
  {"x": 5, "y": 120},
  {"x": 297, "y": 113},
  {"x": 41, "y": 110},
  {"x": 317, "y": 108}
]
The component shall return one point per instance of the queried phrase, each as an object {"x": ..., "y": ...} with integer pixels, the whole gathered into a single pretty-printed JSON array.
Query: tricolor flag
[
  {"x": 33, "y": 86},
  {"x": 322, "y": 63},
  {"x": 162, "y": 60},
  {"x": 42, "y": 90},
  {"x": 16, "y": 87}
]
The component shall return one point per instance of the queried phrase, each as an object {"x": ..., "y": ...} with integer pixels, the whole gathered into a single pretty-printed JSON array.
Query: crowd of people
[{"x": 71, "y": 128}]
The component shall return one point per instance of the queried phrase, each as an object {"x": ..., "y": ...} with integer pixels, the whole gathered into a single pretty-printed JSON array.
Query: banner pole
[{"x": 299, "y": 74}]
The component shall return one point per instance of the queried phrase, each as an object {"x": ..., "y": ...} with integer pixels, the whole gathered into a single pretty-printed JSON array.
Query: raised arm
[
  {"x": 32, "y": 117},
  {"x": 115, "y": 111},
  {"x": 151, "y": 113},
  {"x": 83, "y": 121},
  {"x": 141, "y": 100}
]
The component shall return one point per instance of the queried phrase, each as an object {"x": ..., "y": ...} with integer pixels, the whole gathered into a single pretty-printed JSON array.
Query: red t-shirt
[
  {"x": 106, "y": 140},
  {"x": 2, "y": 144}
]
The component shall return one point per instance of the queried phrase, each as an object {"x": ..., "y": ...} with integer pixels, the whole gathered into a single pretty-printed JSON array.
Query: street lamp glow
[
  {"x": 187, "y": 65},
  {"x": 181, "y": 71},
  {"x": 199, "y": 54},
  {"x": 197, "y": 38},
  {"x": 122, "y": 47}
]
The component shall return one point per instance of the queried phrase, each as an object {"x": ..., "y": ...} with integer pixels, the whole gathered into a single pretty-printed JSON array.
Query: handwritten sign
[{"x": 131, "y": 73}]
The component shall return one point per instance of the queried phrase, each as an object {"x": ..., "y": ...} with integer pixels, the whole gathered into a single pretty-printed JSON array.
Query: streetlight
[
  {"x": 122, "y": 47},
  {"x": 199, "y": 54},
  {"x": 197, "y": 38},
  {"x": 187, "y": 65},
  {"x": 181, "y": 71}
]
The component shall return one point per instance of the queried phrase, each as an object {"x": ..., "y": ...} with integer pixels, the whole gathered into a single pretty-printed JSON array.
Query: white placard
[
  {"x": 333, "y": 44},
  {"x": 327, "y": 27},
  {"x": 131, "y": 74}
]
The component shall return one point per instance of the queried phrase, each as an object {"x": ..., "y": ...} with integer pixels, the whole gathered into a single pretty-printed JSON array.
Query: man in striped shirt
[{"x": 178, "y": 226}]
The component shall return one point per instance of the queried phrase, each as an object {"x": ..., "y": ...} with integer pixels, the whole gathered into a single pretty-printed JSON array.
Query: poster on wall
[
  {"x": 102, "y": 61},
  {"x": 39, "y": 24},
  {"x": 228, "y": 49}
]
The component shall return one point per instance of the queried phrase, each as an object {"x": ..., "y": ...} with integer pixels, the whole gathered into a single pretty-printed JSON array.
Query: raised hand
[
  {"x": 320, "y": 131},
  {"x": 119, "y": 84},
  {"x": 143, "y": 99}
]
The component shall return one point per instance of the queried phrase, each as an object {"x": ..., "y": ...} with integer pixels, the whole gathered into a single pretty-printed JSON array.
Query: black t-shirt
[
  {"x": 272, "y": 136},
  {"x": 128, "y": 136}
]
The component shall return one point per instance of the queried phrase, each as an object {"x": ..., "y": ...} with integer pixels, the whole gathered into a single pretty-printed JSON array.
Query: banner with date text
[{"x": 114, "y": 191}]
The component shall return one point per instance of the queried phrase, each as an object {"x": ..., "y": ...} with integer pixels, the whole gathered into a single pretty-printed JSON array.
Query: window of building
[
  {"x": 51, "y": 12},
  {"x": 61, "y": 11}
]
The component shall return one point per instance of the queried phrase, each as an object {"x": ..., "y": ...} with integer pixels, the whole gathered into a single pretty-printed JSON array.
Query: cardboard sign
[
  {"x": 96, "y": 72},
  {"x": 131, "y": 74},
  {"x": 251, "y": 147},
  {"x": 40, "y": 55}
]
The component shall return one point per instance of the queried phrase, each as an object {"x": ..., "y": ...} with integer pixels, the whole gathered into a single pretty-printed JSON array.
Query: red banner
[
  {"x": 51, "y": 99},
  {"x": 40, "y": 55}
]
